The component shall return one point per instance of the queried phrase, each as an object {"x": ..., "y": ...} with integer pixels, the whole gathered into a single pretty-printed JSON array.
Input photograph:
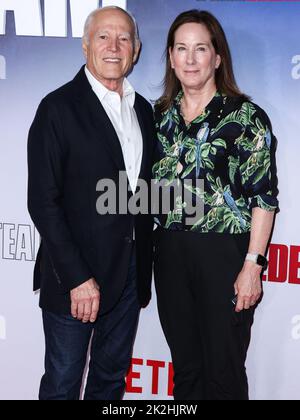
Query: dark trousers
[
  {"x": 67, "y": 342},
  {"x": 194, "y": 278}
]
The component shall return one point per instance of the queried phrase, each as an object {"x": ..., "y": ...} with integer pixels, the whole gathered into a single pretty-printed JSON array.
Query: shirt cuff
[{"x": 265, "y": 202}]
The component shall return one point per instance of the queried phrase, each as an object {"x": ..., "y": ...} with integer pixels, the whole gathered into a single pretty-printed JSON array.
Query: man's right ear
[{"x": 137, "y": 47}]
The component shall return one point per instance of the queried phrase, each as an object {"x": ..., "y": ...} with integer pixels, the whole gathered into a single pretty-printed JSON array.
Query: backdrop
[{"x": 40, "y": 49}]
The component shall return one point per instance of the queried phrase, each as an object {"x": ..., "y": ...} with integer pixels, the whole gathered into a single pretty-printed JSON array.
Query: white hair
[{"x": 93, "y": 14}]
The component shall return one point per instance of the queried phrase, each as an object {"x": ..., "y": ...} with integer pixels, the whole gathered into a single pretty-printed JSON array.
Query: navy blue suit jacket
[{"x": 72, "y": 145}]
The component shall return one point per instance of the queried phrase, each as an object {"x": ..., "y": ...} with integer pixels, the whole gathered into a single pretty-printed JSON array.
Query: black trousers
[{"x": 208, "y": 340}]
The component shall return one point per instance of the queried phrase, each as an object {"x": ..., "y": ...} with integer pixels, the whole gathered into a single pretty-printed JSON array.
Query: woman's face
[{"x": 193, "y": 56}]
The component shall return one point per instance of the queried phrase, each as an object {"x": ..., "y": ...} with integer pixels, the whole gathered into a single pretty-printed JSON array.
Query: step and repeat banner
[{"x": 40, "y": 49}]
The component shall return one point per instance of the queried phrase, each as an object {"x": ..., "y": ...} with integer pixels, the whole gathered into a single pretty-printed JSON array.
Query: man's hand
[
  {"x": 248, "y": 286},
  {"x": 85, "y": 301}
]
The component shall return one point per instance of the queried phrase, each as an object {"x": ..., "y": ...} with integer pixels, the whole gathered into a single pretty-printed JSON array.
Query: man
[{"x": 89, "y": 130}]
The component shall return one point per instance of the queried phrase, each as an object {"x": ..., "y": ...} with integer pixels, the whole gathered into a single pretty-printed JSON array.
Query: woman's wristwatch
[{"x": 257, "y": 259}]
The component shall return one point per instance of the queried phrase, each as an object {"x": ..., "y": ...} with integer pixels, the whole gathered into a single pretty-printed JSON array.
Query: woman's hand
[{"x": 248, "y": 286}]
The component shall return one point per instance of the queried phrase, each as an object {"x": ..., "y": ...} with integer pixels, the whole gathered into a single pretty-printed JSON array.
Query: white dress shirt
[{"x": 124, "y": 120}]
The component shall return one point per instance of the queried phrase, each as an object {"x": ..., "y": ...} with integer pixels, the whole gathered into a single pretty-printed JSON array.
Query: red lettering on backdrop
[
  {"x": 156, "y": 365},
  {"x": 134, "y": 375},
  {"x": 170, "y": 380},
  {"x": 294, "y": 265},
  {"x": 278, "y": 263}
]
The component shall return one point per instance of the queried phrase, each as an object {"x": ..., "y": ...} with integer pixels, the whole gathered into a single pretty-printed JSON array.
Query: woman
[{"x": 208, "y": 273}]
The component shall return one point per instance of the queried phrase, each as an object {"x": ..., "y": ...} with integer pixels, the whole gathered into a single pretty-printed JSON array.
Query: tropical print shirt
[{"x": 231, "y": 147}]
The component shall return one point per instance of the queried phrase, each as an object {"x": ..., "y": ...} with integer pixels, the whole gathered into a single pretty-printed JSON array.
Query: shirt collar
[
  {"x": 215, "y": 105},
  {"x": 101, "y": 91},
  {"x": 216, "y": 98}
]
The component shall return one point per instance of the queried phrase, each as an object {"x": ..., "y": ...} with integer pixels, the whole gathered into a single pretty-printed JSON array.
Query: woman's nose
[{"x": 190, "y": 57}]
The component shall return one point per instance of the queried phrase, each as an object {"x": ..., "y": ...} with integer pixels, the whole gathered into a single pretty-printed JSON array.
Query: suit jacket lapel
[
  {"x": 103, "y": 125},
  {"x": 101, "y": 121},
  {"x": 107, "y": 133},
  {"x": 144, "y": 136}
]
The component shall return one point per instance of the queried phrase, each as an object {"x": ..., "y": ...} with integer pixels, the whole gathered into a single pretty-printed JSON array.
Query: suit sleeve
[{"x": 46, "y": 158}]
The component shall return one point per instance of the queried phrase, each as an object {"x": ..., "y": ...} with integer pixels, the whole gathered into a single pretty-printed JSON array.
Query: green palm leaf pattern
[
  {"x": 233, "y": 164},
  {"x": 257, "y": 165},
  {"x": 188, "y": 170},
  {"x": 220, "y": 143},
  {"x": 196, "y": 190},
  {"x": 230, "y": 118},
  {"x": 170, "y": 117},
  {"x": 246, "y": 113},
  {"x": 175, "y": 216},
  {"x": 165, "y": 143},
  {"x": 226, "y": 156},
  {"x": 264, "y": 205},
  {"x": 165, "y": 119},
  {"x": 259, "y": 124},
  {"x": 242, "y": 116},
  {"x": 166, "y": 168},
  {"x": 201, "y": 117}
]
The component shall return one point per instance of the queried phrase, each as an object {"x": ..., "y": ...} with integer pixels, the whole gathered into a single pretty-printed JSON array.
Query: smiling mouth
[{"x": 112, "y": 60}]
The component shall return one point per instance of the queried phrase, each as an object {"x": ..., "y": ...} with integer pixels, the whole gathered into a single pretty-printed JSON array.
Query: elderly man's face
[{"x": 110, "y": 52}]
